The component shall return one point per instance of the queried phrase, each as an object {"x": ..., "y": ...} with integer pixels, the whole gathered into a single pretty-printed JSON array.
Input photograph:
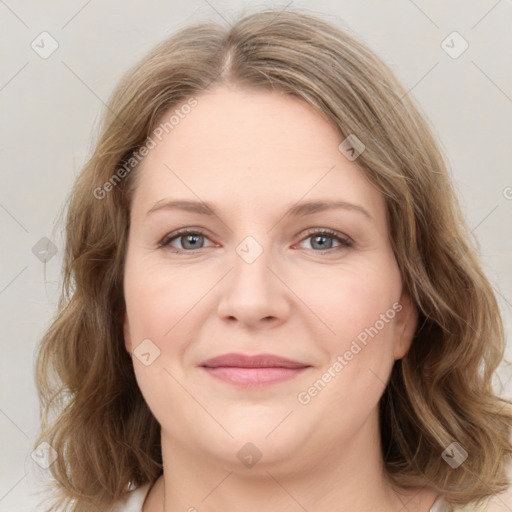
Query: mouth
[{"x": 253, "y": 371}]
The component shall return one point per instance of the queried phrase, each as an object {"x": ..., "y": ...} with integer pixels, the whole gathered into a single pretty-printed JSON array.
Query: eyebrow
[{"x": 297, "y": 210}]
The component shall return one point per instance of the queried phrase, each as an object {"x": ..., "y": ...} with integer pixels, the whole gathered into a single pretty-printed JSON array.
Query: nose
[{"x": 254, "y": 293}]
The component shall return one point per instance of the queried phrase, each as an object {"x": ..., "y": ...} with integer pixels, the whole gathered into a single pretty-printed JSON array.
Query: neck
[{"x": 348, "y": 476}]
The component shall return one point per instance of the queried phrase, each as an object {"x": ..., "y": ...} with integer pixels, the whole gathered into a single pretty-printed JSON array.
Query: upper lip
[{"x": 255, "y": 361}]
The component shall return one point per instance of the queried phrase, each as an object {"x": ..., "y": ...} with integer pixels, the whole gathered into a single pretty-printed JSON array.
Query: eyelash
[{"x": 165, "y": 242}]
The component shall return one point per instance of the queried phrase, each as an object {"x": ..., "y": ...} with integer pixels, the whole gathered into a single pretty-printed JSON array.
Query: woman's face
[{"x": 255, "y": 278}]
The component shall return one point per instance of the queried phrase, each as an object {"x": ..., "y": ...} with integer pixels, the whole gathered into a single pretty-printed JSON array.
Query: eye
[
  {"x": 192, "y": 239},
  {"x": 320, "y": 240}
]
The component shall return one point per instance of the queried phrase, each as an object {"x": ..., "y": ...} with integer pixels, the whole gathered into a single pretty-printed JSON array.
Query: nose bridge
[
  {"x": 252, "y": 291},
  {"x": 250, "y": 273}
]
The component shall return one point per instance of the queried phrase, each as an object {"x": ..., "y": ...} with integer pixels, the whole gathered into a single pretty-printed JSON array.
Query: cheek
[
  {"x": 363, "y": 313},
  {"x": 361, "y": 310},
  {"x": 158, "y": 299},
  {"x": 162, "y": 304},
  {"x": 358, "y": 358},
  {"x": 157, "y": 302},
  {"x": 353, "y": 300}
]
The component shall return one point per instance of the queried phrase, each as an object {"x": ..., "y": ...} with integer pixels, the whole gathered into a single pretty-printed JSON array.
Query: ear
[
  {"x": 127, "y": 335},
  {"x": 406, "y": 323}
]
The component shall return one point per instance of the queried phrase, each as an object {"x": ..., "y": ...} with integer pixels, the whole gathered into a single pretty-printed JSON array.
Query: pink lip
[{"x": 252, "y": 371}]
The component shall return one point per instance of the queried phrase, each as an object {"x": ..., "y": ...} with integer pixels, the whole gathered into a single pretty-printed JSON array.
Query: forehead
[
  {"x": 253, "y": 123},
  {"x": 254, "y": 148}
]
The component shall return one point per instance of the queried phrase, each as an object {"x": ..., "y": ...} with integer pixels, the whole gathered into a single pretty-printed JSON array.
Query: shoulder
[
  {"x": 440, "y": 505},
  {"x": 132, "y": 501},
  {"x": 497, "y": 503},
  {"x": 501, "y": 502}
]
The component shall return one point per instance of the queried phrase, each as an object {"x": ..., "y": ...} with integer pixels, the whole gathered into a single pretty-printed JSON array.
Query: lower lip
[{"x": 253, "y": 377}]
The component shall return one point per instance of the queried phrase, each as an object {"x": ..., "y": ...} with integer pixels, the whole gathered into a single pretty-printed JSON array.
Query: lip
[
  {"x": 255, "y": 361},
  {"x": 252, "y": 371}
]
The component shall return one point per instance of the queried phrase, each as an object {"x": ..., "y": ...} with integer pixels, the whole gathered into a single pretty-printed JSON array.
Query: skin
[{"x": 253, "y": 154}]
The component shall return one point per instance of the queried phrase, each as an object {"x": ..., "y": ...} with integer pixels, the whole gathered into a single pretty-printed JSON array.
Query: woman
[{"x": 271, "y": 298}]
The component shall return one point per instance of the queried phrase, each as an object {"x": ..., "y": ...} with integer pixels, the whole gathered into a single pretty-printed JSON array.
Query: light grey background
[{"x": 49, "y": 109}]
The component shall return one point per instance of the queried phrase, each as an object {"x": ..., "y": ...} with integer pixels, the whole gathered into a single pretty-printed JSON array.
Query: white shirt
[{"x": 134, "y": 500}]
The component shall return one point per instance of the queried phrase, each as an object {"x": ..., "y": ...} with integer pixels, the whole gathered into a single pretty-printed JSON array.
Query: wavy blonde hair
[{"x": 93, "y": 413}]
